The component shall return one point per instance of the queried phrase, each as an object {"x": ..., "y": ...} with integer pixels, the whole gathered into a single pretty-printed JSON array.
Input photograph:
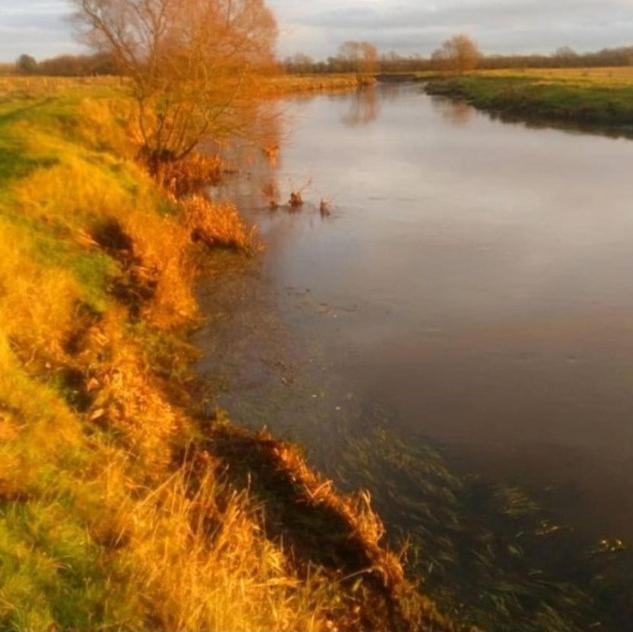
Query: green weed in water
[{"x": 488, "y": 553}]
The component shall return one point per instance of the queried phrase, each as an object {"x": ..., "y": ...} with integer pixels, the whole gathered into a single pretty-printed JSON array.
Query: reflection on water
[
  {"x": 458, "y": 113},
  {"x": 457, "y": 336},
  {"x": 364, "y": 108}
]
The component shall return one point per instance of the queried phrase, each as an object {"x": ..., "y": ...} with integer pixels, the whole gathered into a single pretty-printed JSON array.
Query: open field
[
  {"x": 596, "y": 96},
  {"x": 273, "y": 86},
  {"x": 595, "y": 77},
  {"x": 115, "y": 512},
  {"x": 288, "y": 84}
]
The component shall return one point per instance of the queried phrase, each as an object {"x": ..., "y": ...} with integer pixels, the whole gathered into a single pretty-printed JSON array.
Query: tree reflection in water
[
  {"x": 458, "y": 113},
  {"x": 364, "y": 108}
]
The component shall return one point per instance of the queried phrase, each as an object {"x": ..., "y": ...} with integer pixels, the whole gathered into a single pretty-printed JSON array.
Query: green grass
[
  {"x": 549, "y": 97},
  {"x": 57, "y": 182},
  {"x": 30, "y": 141}
]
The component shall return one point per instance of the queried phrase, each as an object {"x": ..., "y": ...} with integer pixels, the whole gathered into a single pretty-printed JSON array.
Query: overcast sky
[{"x": 407, "y": 26}]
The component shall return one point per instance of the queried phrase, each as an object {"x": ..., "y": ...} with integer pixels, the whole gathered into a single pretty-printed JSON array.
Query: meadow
[{"x": 116, "y": 511}]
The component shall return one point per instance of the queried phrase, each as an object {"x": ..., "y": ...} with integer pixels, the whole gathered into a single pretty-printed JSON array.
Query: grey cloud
[
  {"x": 408, "y": 26},
  {"x": 490, "y": 12},
  {"x": 500, "y": 25},
  {"x": 37, "y": 27},
  {"x": 41, "y": 22}
]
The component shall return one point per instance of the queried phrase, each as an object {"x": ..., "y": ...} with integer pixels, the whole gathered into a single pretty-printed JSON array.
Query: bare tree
[
  {"x": 458, "y": 54},
  {"x": 566, "y": 56},
  {"x": 359, "y": 57},
  {"x": 26, "y": 65},
  {"x": 299, "y": 63},
  {"x": 364, "y": 108},
  {"x": 193, "y": 64}
]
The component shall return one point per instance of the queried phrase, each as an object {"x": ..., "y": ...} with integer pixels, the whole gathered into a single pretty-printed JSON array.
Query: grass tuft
[{"x": 217, "y": 225}]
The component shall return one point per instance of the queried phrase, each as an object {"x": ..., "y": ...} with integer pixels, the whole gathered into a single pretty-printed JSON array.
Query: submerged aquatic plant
[{"x": 487, "y": 552}]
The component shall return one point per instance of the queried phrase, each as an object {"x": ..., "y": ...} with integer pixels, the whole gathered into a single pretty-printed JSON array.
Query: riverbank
[
  {"x": 125, "y": 502},
  {"x": 599, "y": 97},
  {"x": 292, "y": 84}
]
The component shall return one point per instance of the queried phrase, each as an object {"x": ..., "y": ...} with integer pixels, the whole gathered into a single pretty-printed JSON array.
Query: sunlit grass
[
  {"x": 587, "y": 77},
  {"x": 592, "y": 96},
  {"x": 287, "y": 84}
]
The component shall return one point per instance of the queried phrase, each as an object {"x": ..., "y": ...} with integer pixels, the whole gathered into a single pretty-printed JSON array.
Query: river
[{"x": 468, "y": 296}]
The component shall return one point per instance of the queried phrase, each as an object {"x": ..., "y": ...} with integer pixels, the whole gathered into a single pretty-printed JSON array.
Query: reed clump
[
  {"x": 325, "y": 208},
  {"x": 217, "y": 225},
  {"x": 296, "y": 200},
  {"x": 195, "y": 555},
  {"x": 191, "y": 174}
]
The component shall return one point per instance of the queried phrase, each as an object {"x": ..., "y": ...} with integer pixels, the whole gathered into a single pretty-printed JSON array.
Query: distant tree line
[
  {"x": 359, "y": 58},
  {"x": 63, "y": 66},
  {"x": 460, "y": 53},
  {"x": 352, "y": 57},
  {"x": 564, "y": 57}
]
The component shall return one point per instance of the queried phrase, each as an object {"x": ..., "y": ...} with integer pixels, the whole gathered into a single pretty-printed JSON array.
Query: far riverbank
[{"x": 598, "y": 97}]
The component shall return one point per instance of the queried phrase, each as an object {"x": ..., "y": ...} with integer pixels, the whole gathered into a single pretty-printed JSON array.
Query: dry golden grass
[
  {"x": 36, "y": 87},
  {"x": 162, "y": 246},
  {"x": 274, "y": 85},
  {"x": 191, "y": 174},
  {"x": 127, "y": 400},
  {"x": 201, "y": 562},
  {"x": 217, "y": 225},
  {"x": 109, "y": 123},
  {"x": 35, "y": 302},
  {"x": 289, "y": 84}
]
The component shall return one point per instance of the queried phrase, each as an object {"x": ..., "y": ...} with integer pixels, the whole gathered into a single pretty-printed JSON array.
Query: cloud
[
  {"x": 421, "y": 25},
  {"x": 38, "y": 28},
  {"x": 318, "y": 27}
]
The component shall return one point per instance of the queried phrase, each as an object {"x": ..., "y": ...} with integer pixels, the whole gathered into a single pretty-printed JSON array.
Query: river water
[{"x": 467, "y": 299}]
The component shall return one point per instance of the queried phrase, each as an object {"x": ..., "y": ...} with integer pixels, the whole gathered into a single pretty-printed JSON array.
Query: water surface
[{"x": 472, "y": 289}]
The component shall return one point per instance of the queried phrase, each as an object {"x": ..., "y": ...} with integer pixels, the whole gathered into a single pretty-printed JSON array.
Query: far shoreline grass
[{"x": 600, "y": 97}]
